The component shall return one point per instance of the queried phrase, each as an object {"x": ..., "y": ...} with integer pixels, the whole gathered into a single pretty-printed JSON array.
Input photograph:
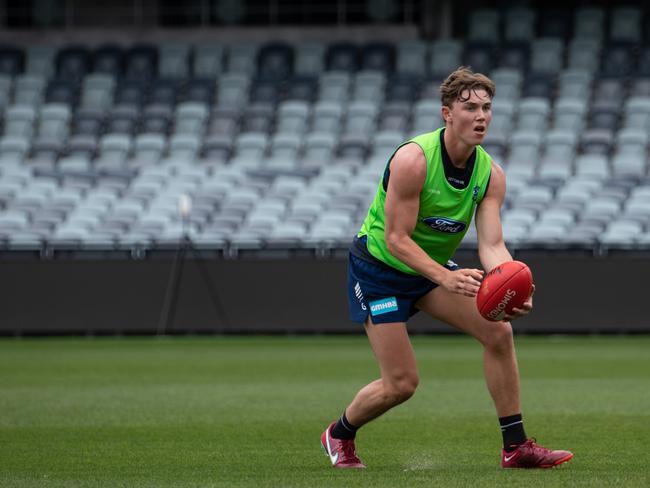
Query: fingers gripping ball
[{"x": 506, "y": 287}]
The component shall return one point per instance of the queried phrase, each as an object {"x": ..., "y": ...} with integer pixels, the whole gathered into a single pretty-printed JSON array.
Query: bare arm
[
  {"x": 491, "y": 247},
  {"x": 408, "y": 171}
]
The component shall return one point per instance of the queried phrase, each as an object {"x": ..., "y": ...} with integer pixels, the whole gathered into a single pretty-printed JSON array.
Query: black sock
[
  {"x": 343, "y": 429},
  {"x": 512, "y": 428}
]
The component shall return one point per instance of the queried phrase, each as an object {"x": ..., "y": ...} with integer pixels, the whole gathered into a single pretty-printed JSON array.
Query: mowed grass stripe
[{"x": 248, "y": 411}]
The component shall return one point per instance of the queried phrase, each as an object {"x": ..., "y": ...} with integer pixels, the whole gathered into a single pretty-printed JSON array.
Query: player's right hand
[{"x": 465, "y": 281}]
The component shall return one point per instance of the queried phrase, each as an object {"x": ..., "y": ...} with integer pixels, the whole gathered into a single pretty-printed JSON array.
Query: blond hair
[{"x": 464, "y": 80}]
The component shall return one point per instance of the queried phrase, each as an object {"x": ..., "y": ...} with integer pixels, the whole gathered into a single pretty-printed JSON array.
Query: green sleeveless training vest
[{"x": 445, "y": 212}]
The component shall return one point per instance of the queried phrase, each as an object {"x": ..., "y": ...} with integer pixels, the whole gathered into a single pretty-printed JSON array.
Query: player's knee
[
  {"x": 499, "y": 338},
  {"x": 401, "y": 389}
]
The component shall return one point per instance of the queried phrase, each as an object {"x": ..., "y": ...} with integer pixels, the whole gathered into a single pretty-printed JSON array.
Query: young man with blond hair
[{"x": 400, "y": 264}]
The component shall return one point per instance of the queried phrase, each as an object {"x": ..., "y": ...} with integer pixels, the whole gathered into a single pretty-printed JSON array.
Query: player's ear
[{"x": 446, "y": 114}]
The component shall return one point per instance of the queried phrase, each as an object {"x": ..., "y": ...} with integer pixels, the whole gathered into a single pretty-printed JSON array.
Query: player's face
[{"x": 470, "y": 116}]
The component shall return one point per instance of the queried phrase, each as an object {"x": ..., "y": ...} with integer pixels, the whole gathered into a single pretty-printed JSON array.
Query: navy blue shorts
[{"x": 385, "y": 294}]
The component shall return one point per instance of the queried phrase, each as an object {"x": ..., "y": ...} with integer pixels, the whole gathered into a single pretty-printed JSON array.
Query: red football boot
[
  {"x": 531, "y": 455},
  {"x": 340, "y": 451}
]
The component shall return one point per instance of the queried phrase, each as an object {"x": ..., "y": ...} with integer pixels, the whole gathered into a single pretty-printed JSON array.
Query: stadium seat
[
  {"x": 411, "y": 57},
  {"x": 574, "y": 83},
  {"x": 258, "y": 117},
  {"x": 446, "y": 55},
  {"x": 275, "y": 61},
  {"x": 264, "y": 91},
  {"x": 141, "y": 62},
  {"x": 327, "y": 117},
  {"x": 584, "y": 53},
  {"x": 232, "y": 89},
  {"x": 519, "y": 24},
  {"x": 53, "y": 121},
  {"x": 97, "y": 91},
  {"x": 309, "y": 58},
  {"x": 40, "y": 60},
  {"x": 597, "y": 141},
  {"x": 29, "y": 90},
  {"x": 589, "y": 23},
  {"x": 190, "y": 118},
  {"x": 157, "y": 119},
  {"x": 208, "y": 60},
  {"x": 426, "y": 116},
  {"x": 174, "y": 61},
  {"x": 605, "y": 115},
  {"x": 19, "y": 121},
  {"x": 241, "y": 58},
  {"x": 123, "y": 119},
  {"x": 334, "y": 86},
  {"x": 293, "y": 117},
  {"x": 302, "y": 87},
  {"x": 12, "y": 60},
  {"x": 109, "y": 60},
  {"x": 508, "y": 82},
  {"x": 533, "y": 114},
  {"x": 224, "y": 121},
  {"x": 164, "y": 92},
  {"x": 395, "y": 117},
  {"x": 569, "y": 114},
  {"x": 637, "y": 113},
  {"x": 148, "y": 148},
  {"x": 72, "y": 63},
  {"x": 319, "y": 147},
  {"x": 632, "y": 141},
  {"x": 13, "y": 148},
  {"x": 378, "y": 56},
  {"x": 184, "y": 146},
  {"x": 625, "y": 24},
  {"x": 342, "y": 56},
  {"x": 368, "y": 86},
  {"x": 5, "y": 90},
  {"x": 617, "y": 61},
  {"x": 479, "y": 56},
  {"x": 483, "y": 23}
]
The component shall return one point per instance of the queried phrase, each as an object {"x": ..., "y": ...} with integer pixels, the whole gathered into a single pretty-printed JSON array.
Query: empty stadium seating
[{"x": 282, "y": 143}]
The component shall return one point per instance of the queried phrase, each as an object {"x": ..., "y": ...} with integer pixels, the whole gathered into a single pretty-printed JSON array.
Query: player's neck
[{"x": 458, "y": 151}]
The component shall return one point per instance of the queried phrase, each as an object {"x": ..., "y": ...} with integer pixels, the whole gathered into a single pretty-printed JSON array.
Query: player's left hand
[{"x": 524, "y": 310}]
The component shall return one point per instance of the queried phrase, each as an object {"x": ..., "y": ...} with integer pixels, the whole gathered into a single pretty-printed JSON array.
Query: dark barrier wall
[{"x": 575, "y": 293}]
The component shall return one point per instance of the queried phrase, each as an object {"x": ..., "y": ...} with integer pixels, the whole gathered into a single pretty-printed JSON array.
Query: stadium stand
[{"x": 249, "y": 129}]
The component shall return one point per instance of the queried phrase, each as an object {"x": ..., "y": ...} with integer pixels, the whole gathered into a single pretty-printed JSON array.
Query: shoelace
[{"x": 348, "y": 449}]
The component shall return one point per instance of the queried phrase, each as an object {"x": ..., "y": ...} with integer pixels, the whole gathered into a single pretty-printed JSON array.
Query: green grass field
[{"x": 248, "y": 411}]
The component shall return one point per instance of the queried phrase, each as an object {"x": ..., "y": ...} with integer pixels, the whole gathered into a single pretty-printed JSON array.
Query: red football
[{"x": 506, "y": 287}]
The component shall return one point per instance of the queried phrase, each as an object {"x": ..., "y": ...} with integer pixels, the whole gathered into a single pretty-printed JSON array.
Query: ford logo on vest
[{"x": 443, "y": 224}]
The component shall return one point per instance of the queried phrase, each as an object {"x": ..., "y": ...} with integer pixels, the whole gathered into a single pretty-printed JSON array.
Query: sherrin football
[{"x": 506, "y": 287}]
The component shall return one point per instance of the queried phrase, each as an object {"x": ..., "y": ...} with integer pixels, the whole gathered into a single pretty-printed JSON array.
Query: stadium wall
[{"x": 117, "y": 294}]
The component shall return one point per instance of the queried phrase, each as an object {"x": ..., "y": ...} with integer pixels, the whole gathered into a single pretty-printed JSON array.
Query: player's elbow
[{"x": 394, "y": 242}]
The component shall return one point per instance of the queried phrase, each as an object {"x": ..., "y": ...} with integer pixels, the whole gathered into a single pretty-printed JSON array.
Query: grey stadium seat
[
  {"x": 208, "y": 60},
  {"x": 327, "y": 117},
  {"x": 589, "y": 22},
  {"x": 309, "y": 58},
  {"x": 411, "y": 57},
  {"x": 184, "y": 146},
  {"x": 293, "y": 116},
  {"x": 173, "y": 61},
  {"x": 97, "y": 91},
  {"x": 584, "y": 53},
  {"x": 319, "y": 147},
  {"x": 446, "y": 56},
  {"x": 483, "y": 23},
  {"x": 547, "y": 55},
  {"x": 519, "y": 24},
  {"x": 149, "y": 148},
  {"x": 361, "y": 118},
  {"x": 29, "y": 90},
  {"x": 232, "y": 89},
  {"x": 54, "y": 121},
  {"x": 190, "y": 118},
  {"x": 625, "y": 24},
  {"x": 533, "y": 114},
  {"x": 334, "y": 86},
  {"x": 19, "y": 121}
]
